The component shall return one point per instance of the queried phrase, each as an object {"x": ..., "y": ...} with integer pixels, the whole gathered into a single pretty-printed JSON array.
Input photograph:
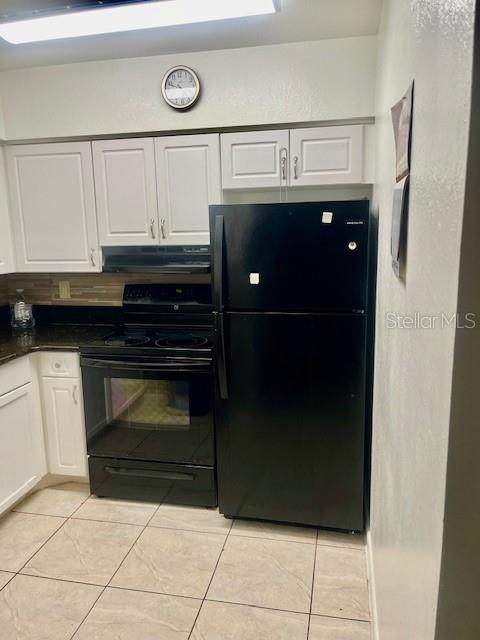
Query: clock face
[{"x": 180, "y": 87}]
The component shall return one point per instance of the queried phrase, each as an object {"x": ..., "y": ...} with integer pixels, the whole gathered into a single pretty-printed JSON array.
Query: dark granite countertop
[{"x": 49, "y": 338}]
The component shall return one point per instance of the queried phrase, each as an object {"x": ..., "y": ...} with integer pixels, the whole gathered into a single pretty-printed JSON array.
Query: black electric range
[{"x": 148, "y": 395}]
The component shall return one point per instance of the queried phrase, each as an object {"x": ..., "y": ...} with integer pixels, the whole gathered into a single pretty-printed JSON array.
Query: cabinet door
[
  {"x": 22, "y": 459},
  {"x": 254, "y": 159},
  {"x": 6, "y": 239},
  {"x": 53, "y": 207},
  {"x": 126, "y": 192},
  {"x": 326, "y": 155},
  {"x": 188, "y": 181},
  {"x": 64, "y": 426}
]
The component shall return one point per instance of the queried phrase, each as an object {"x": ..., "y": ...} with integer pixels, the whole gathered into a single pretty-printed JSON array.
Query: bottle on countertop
[{"x": 22, "y": 314}]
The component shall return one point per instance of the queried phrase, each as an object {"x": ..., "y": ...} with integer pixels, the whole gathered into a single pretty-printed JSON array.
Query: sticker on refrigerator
[{"x": 254, "y": 278}]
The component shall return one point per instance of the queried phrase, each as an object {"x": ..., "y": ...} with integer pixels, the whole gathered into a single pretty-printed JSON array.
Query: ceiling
[{"x": 298, "y": 20}]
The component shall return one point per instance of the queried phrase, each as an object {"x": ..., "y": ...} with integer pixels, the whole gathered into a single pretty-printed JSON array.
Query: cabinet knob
[
  {"x": 57, "y": 365},
  {"x": 152, "y": 228},
  {"x": 162, "y": 228},
  {"x": 74, "y": 394},
  {"x": 92, "y": 257}
]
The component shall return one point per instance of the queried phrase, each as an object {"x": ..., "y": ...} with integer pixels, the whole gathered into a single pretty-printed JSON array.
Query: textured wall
[
  {"x": 429, "y": 41},
  {"x": 300, "y": 82},
  {"x": 458, "y": 615}
]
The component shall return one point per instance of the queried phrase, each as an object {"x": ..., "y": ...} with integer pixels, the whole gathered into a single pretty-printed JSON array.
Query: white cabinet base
[
  {"x": 22, "y": 454},
  {"x": 64, "y": 426}
]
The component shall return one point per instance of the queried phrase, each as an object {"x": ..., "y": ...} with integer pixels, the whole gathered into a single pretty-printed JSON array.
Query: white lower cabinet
[
  {"x": 64, "y": 426},
  {"x": 22, "y": 453},
  {"x": 63, "y": 418}
]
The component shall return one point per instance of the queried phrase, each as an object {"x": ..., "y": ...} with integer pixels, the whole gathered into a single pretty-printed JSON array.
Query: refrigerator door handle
[
  {"x": 218, "y": 265},
  {"x": 221, "y": 359}
]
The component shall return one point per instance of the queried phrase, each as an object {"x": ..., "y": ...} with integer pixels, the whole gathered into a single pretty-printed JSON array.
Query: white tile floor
[{"x": 76, "y": 567}]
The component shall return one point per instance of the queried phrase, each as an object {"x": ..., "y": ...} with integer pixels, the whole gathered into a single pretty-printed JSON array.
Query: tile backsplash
[
  {"x": 88, "y": 289},
  {"x": 4, "y": 298}
]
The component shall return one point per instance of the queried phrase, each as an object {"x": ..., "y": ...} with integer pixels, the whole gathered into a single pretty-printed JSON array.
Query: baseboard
[{"x": 372, "y": 588}]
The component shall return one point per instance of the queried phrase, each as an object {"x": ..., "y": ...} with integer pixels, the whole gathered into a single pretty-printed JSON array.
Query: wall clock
[{"x": 181, "y": 87}]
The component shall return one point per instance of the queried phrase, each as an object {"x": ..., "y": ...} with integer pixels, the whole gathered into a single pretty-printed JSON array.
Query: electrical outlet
[{"x": 64, "y": 289}]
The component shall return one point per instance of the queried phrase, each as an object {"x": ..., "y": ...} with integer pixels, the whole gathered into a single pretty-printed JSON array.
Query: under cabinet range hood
[{"x": 179, "y": 259}]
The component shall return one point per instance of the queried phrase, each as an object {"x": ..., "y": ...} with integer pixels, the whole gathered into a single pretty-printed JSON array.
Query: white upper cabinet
[
  {"x": 53, "y": 207},
  {"x": 7, "y": 263},
  {"x": 126, "y": 191},
  {"x": 188, "y": 181},
  {"x": 254, "y": 159},
  {"x": 326, "y": 155}
]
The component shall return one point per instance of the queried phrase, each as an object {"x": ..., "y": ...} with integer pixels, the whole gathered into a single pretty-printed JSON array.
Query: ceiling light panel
[{"x": 131, "y": 17}]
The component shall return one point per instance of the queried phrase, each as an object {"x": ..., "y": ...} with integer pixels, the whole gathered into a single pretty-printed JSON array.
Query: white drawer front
[
  {"x": 60, "y": 364},
  {"x": 14, "y": 374}
]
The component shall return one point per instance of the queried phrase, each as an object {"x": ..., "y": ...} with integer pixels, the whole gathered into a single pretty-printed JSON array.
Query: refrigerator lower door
[{"x": 291, "y": 434}]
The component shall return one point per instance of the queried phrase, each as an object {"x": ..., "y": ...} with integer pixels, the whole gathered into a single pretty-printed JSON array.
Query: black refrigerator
[{"x": 290, "y": 310}]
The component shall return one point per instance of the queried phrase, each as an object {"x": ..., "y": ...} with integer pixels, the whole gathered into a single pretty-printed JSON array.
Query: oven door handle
[
  {"x": 145, "y": 366},
  {"x": 144, "y": 473}
]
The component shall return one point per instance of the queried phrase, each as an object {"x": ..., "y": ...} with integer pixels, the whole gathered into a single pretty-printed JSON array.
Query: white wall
[
  {"x": 429, "y": 41},
  {"x": 307, "y": 81},
  {"x": 2, "y": 122}
]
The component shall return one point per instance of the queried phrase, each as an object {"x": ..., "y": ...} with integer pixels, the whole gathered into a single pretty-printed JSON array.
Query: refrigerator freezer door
[
  {"x": 290, "y": 436},
  {"x": 299, "y": 256}
]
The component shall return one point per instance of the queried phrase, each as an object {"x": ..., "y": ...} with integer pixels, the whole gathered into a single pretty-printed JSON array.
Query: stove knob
[
  {"x": 352, "y": 246},
  {"x": 176, "y": 307}
]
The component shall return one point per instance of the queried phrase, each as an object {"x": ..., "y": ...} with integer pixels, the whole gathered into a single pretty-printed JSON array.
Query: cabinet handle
[
  {"x": 295, "y": 167},
  {"x": 283, "y": 162},
  {"x": 74, "y": 394},
  {"x": 162, "y": 228},
  {"x": 92, "y": 257},
  {"x": 152, "y": 228}
]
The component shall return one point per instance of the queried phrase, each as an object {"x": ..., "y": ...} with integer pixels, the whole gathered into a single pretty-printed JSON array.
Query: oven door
[{"x": 148, "y": 409}]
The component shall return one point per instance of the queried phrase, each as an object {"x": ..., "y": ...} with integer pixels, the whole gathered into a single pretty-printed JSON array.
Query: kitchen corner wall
[
  {"x": 94, "y": 289},
  {"x": 430, "y": 42},
  {"x": 287, "y": 83}
]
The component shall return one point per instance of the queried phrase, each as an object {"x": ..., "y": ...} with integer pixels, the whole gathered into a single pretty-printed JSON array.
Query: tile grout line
[
  {"x": 230, "y": 531},
  {"x": 313, "y": 584},
  {"x": 257, "y": 606},
  {"x": 66, "y": 519},
  {"x": 211, "y": 580},
  {"x": 134, "y": 543},
  {"x": 114, "y": 574},
  {"x": 88, "y": 613},
  {"x": 41, "y": 546}
]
